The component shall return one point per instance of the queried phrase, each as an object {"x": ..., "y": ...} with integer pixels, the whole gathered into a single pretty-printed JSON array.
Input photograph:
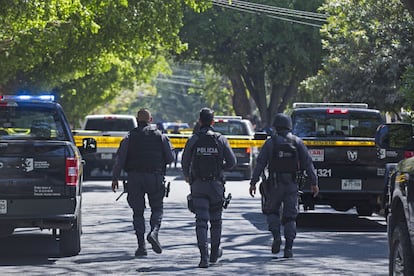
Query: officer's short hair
[
  {"x": 206, "y": 116},
  {"x": 143, "y": 115}
]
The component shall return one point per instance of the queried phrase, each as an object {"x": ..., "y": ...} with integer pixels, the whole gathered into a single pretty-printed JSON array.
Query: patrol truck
[
  {"x": 108, "y": 131},
  {"x": 340, "y": 140},
  {"x": 40, "y": 170}
]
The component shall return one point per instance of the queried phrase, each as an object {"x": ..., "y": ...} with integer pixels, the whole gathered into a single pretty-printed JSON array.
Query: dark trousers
[
  {"x": 285, "y": 191},
  {"x": 140, "y": 184},
  {"x": 208, "y": 201}
]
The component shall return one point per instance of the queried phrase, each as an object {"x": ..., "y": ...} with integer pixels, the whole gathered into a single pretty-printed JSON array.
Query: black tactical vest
[
  {"x": 145, "y": 150},
  {"x": 285, "y": 157},
  {"x": 207, "y": 160}
]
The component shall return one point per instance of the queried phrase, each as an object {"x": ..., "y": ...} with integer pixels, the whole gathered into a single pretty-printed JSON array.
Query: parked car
[{"x": 400, "y": 196}]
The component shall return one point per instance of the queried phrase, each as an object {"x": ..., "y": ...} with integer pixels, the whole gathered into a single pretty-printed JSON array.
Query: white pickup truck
[{"x": 108, "y": 131}]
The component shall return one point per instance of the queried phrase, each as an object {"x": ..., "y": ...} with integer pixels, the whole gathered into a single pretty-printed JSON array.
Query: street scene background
[{"x": 328, "y": 242}]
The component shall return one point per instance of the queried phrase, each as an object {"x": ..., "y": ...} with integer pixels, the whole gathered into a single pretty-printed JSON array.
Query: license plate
[
  {"x": 318, "y": 155},
  {"x": 3, "y": 206},
  {"x": 106, "y": 155},
  {"x": 351, "y": 184}
]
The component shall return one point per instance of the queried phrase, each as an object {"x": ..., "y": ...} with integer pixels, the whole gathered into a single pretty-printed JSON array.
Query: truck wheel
[
  {"x": 401, "y": 259},
  {"x": 248, "y": 173},
  {"x": 70, "y": 240},
  {"x": 364, "y": 210}
]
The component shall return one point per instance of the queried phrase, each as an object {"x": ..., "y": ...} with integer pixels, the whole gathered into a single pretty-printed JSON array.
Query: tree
[
  {"x": 369, "y": 47},
  {"x": 264, "y": 58},
  {"x": 86, "y": 51}
]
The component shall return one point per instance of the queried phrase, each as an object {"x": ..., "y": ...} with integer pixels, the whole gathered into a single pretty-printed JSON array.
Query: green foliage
[
  {"x": 368, "y": 45},
  {"x": 86, "y": 51},
  {"x": 270, "y": 56},
  {"x": 177, "y": 95}
]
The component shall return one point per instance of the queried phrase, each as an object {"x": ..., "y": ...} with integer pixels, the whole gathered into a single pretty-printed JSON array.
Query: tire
[
  {"x": 364, "y": 210},
  {"x": 401, "y": 259},
  {"x": 70, "y": 240},
  {"x": 248, "y": 173}
]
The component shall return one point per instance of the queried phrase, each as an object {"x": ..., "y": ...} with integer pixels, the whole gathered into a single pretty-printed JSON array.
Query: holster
[{"x": 190, "y": 203}]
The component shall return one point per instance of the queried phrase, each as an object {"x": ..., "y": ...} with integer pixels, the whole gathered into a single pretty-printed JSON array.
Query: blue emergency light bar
[{"x": 28, "y": 97}]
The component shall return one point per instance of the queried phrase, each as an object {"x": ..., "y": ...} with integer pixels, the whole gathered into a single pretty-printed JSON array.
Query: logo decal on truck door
[
  {"x": 28, "y": 164},
  {"x": 352, "y": 155}
]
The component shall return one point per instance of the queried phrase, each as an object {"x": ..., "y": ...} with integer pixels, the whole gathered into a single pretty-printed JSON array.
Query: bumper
[{"x": 42, "y": 213}]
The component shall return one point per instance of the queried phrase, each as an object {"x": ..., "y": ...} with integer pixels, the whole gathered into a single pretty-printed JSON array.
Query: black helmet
[
  {"x": 206, "y": 116},
  {"x": 282, "y": 122}
]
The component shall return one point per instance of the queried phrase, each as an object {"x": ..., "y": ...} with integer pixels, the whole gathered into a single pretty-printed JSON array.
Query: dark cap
[
  {"x": 206, "y": 116},
  {"x": 282, "y": 122}
]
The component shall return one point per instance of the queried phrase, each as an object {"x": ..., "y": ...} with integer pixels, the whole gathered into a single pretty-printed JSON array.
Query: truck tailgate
[{"x": 31, "y": 169}]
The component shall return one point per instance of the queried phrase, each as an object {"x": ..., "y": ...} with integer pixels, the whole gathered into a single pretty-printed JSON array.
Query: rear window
[
  {"x": 320, "y": 123},
  {"x": 109, "y": 124},
  {"x": 231, "y": 127},
  {"x": 29, "y": 122}
]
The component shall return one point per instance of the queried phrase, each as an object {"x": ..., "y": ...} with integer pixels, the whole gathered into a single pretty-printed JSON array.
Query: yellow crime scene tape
[
  {"x": 178, "y": 141},
  {"x": 340, "y": 143}
]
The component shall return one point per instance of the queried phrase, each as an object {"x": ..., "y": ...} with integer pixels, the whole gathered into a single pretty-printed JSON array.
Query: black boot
[
  {"x": 203, "y": 256},
  {"x": 141, "y": 251},
  {"x": 153, "y": 240},
  {"x": 288, "y": 249},
  {"x": 277, "y": 241},
  {"x": 216, "y": 253}
]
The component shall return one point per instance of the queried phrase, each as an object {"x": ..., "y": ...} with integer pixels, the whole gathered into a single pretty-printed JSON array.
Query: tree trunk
[{"x": 241, "y": 102}]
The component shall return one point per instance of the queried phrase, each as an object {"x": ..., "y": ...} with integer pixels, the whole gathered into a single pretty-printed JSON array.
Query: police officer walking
[
  {"x": 205, "y": 156},
  {"x": 144, "y": 154},
  {"x": 284, "y": 155}
]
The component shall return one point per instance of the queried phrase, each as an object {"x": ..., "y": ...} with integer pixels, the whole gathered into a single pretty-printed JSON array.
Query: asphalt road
[{"x": 328, "y": 242}]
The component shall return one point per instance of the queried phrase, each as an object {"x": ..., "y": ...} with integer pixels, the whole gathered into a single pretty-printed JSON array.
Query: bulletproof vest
[
  {"x": 145, "y": 150},
  {"x": 207, "y": 161},
  {"x": 285, "y": 157}
]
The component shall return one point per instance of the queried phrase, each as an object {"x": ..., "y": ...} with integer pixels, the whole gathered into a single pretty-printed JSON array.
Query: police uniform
[
  {"x": 144, "y": 154},
  {"x": 283, "y": 189},
  {"x": 207, "y": 195}
]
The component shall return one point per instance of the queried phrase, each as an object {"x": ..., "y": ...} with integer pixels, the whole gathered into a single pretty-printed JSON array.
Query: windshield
[
  {"x": 109, "y": 124},
  {"x": 28, "y": 122},
  {"x": 322, "y": 124},
  {"x": 231, "y": 128}
]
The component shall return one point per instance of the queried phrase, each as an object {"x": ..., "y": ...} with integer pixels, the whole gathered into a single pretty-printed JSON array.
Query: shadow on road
[
  {"x": 28, "y": 249},
  {"x": 326, "y": 222}
]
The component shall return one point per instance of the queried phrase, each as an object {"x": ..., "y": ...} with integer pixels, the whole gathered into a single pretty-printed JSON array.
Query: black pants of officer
[
  {"x": 283, "y": 190},
  {"x": 140, "y": 184},
  {"x": 208, "y": 201}
]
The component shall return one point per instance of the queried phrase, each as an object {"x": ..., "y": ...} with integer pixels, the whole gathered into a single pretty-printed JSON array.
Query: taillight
[
  {"x": 408, "y": 154},
  {"x": 72, "y": 171},
  {"x": 248, "y": 150}
]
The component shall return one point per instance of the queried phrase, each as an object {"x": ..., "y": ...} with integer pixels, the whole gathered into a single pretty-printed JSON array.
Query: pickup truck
[
  {"x": 399, "y": 192},
  {"x": 108, "y": 131},
  {"x": 340, "y": 140},
  {"x": 40, "y": 170}
]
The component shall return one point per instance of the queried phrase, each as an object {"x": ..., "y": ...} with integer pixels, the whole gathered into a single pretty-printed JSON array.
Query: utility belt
[
  {"x": 208, "y": 178},
  {"x": 145, "y": 170}
]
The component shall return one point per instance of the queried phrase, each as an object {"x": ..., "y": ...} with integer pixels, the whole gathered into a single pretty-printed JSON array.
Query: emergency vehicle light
[
  {"x": 28, "y": 97},
  {"x": 330, "y": 105},
  {"x": 337, "y": 111}
]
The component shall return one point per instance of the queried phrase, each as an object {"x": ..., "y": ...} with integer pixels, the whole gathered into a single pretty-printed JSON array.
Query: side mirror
[
  {"x": 397, "y": 136},
  {"x": 88, "y": 146},
  {"x": 260, "y": 135}
]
